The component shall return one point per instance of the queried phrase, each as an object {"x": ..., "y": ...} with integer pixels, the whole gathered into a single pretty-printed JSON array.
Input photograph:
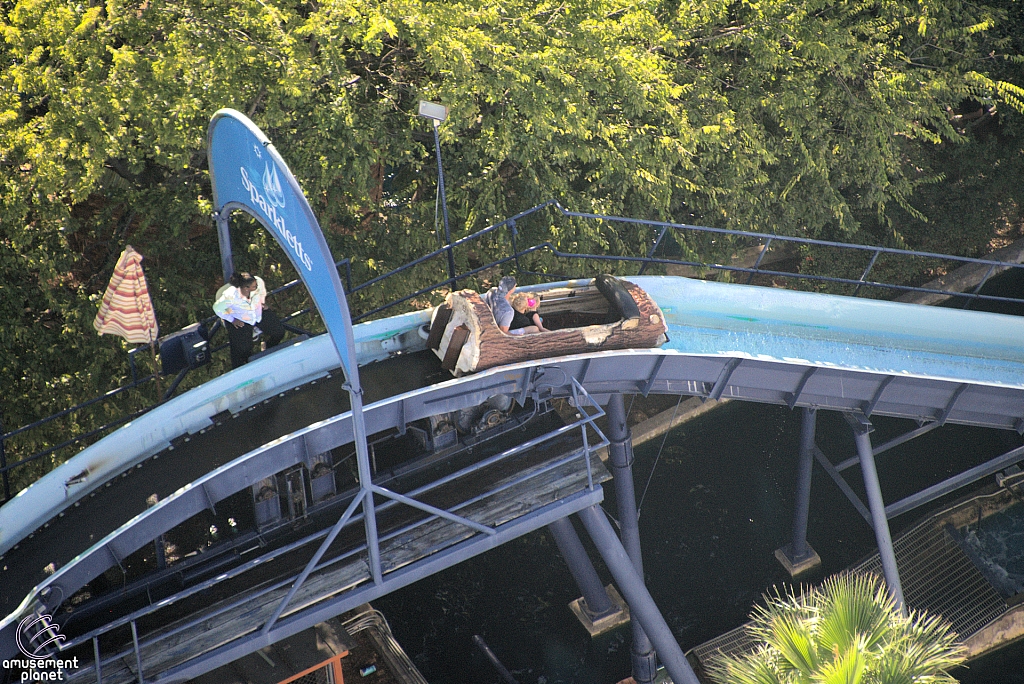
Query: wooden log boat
[{"x": 581, "y": 316}]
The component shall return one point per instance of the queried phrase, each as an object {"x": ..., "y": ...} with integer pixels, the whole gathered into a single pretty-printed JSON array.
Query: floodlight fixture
[{"x": 433, "y": 110}]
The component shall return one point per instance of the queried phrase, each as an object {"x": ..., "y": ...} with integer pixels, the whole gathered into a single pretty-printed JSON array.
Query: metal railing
[
  {"x": 589, "y": 411},
  {"x": 519, "y": 260}
]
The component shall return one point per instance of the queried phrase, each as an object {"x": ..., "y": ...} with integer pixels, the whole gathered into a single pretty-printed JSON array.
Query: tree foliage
[
  {"x": 848, "y": 631},
  {"x": 798, "y": 117}
]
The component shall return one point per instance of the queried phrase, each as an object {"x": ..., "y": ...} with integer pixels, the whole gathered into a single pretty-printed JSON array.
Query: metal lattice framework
[
  {"x": 586, "y": 378},
  {"x": 330, "y": 584}
]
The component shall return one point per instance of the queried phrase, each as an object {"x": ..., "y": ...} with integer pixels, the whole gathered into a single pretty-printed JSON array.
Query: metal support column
[
  {"x": 355, "y": 397},
  {"x": 96, "y": 656},
  {"x": 861, "y": 434},
  {"x": 620, "y": 458},
  {"x": 227, "y": 262},
  {"x": 798, "y": 556},
  {"x": 641, "y": 605},
  {"x": 595, "y": 599}
]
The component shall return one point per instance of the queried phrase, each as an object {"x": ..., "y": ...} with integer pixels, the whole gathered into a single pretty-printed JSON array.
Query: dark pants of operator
[{"x": 241, "y": 338}]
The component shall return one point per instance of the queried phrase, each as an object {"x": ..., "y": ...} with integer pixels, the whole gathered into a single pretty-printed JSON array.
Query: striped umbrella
[{"x": 126, "y": 309}]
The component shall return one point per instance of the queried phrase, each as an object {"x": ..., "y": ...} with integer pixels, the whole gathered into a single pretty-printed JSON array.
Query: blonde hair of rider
[{"x": 521, "y": 302}]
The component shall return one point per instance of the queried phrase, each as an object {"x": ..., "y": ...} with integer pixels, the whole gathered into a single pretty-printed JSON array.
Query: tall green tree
[
  {"x": 798, "y": 117},
  {"x": 847, "y": 631}
]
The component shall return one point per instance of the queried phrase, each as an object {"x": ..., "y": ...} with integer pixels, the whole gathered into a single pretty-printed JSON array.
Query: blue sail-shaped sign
[{"x": 248, "y": 174}]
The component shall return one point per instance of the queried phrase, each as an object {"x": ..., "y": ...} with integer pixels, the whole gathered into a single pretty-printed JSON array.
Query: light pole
[{"x": 438, "y": 113}]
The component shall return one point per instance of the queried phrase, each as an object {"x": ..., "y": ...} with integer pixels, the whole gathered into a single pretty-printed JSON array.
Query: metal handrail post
[
  {"x": 444, "y": 205},
  {"x": 96, "y": 655},
  {"x": 138, "y": 654},
  {"x": 576, "y": 389},
  {"x": 174, "y": 385},
  {"x": 977, "y": 290},
  {"x": 131, "y": 364},
  {"x": 513, "y": 232},
  {"x": 652, "y": 250},
  {"x": 864, "y": 275},
  {"x": 760, "y": 258},
  {"x": 988, "y": 274}
]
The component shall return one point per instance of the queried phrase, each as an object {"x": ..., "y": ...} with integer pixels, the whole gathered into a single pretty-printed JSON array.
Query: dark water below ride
[{"x": 719, "y": 502}]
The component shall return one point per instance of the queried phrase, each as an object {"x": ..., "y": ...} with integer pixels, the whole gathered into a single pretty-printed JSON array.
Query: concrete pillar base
[
  {"x": 797, "y": 566},
  {"x": 661, "y": 678},
  {"x": 645, "y": 666},
  {"x": 600, "y": 624}
]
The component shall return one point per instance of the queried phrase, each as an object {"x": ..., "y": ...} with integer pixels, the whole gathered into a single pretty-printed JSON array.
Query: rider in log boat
[
  {"x": 526, "y": 318},
  {"x": 579, "y": 316}
]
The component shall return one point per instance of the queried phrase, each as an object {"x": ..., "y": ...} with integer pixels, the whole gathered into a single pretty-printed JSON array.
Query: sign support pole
[{"x": 227, "y": 263}]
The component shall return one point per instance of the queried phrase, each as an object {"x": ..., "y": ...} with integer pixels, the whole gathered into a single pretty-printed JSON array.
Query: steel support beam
[
  {"x": 844, "y": 487},
  {"x": 641, "y": 605},
  {"x": 798, "y": 556},
  {"x": 595, "y": 599},
  {"x": 723, "y": 379},
  {"x": 369, "y": 591},
  {"x": 795, "y": 396},
  {"x": 951, "y": 484},
  {"x": 803, "y": 483},
  {"x": 892, "y": 443},
  {"x": 620, "y": 458},
  {"x": 331, "y": 536},
  {"x": 861, "y": 434},
  {"x": 355, "y": 397}
]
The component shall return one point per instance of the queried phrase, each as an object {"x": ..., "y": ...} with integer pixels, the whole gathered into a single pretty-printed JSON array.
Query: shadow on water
[{"x": 718, "y": 504}]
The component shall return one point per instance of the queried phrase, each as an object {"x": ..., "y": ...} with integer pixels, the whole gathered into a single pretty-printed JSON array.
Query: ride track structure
[
  {"x": 812, "y": 384},
  {"x": 861, "y": 357}
]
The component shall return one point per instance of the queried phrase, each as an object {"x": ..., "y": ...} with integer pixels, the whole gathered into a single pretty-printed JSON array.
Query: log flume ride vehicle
[{"x": 580, "y": 316}]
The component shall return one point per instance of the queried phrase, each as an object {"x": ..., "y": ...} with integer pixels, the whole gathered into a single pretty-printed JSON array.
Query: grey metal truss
[{"x": 931, "y": 402}]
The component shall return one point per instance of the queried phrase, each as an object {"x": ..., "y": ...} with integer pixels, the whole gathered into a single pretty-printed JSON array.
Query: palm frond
[
  {"x": 759, "y": 667},
  {"x": 852, "y": 607},
  {"x": 795, "y": 640},
  {"x": 846, "y": 668},
  {"x": 847, "y": 631}
]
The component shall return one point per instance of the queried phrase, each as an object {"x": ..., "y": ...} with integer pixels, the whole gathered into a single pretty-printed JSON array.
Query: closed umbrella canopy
[{"x": 126, "y": 309}]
